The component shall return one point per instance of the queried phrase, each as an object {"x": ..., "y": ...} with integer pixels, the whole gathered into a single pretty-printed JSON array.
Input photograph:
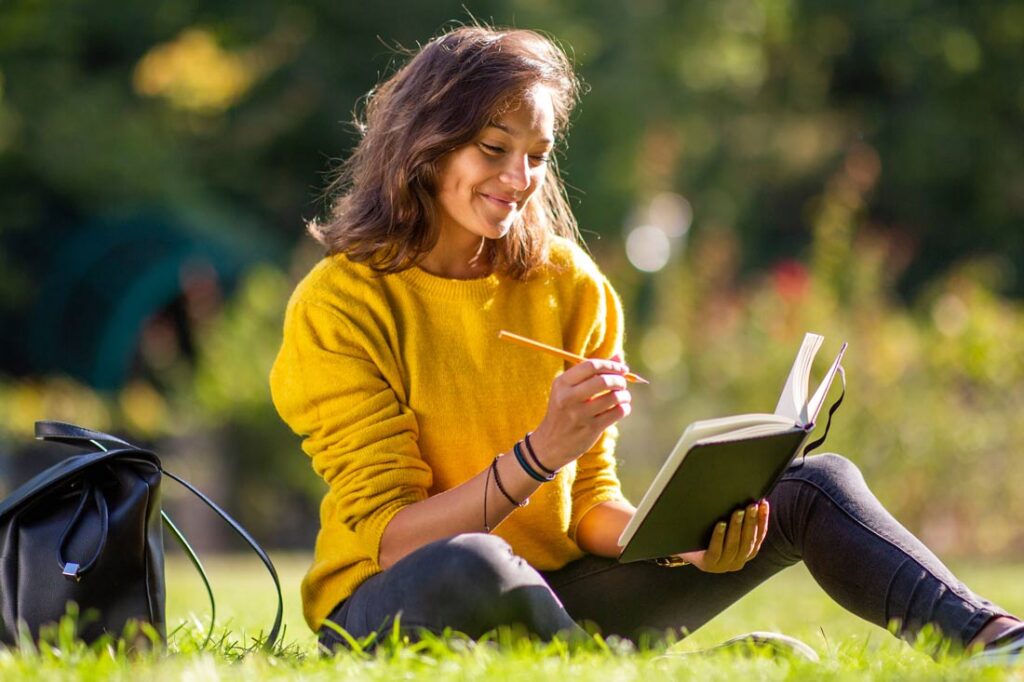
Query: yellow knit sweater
[{"x": 400, "y": 388}]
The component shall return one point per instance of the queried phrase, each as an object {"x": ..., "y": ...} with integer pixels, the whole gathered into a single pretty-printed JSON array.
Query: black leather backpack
[{"x": 88, "y": 530}]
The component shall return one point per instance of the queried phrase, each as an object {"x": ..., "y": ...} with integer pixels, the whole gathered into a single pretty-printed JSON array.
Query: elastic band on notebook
[{"x": 831, "y": 411}]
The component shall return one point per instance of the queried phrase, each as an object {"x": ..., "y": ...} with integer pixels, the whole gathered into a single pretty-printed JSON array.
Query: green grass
[{"x": 790, "y": 603}]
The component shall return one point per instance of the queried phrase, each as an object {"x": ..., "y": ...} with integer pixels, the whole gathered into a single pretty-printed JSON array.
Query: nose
[{"x": 516, "y": 173}]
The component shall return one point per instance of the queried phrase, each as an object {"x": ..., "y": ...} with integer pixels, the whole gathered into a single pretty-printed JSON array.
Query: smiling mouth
[{"x": 507, "y": 204}]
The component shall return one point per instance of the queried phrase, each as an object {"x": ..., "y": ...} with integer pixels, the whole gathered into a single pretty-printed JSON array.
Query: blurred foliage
[
  {"x": 741, "y": 105},
  {"x": 852, "y": 168}
]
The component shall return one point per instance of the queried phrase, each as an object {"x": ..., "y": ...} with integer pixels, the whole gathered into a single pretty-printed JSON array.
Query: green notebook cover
[{"x": 713, "y": 480}]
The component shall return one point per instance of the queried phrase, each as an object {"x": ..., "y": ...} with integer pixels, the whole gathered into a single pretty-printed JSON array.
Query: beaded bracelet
[
  {"x": 497, "y": 479},
  {"x": 526, "y": 466},
  {"x": 536, "y": 460}
]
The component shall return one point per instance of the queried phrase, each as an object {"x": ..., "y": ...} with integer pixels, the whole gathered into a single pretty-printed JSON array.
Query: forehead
[{"x": 531, "y": 114}]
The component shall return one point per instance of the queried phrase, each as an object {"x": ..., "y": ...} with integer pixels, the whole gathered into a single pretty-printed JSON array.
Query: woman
[{"x": 472, "y": 484}]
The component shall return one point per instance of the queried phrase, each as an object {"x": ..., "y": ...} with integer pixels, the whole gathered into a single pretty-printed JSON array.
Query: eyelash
[{"x": 492, "y": 149}]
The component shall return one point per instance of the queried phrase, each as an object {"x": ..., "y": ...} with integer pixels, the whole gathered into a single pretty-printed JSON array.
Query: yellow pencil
[{"x": 557, "y": 352}]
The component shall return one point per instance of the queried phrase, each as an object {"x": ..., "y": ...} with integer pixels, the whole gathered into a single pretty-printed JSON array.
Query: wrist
[{"x": 547, "y": 450}]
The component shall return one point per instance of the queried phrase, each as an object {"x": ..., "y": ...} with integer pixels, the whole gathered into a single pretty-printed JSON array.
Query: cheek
[
  {"x": 450, "y": 192},
  {"x": 539, "y": 177},
  {"x": 460, "y": 178}
]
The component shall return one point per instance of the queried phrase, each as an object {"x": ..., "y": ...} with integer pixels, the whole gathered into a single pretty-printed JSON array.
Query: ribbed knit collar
[{"x": 478, "y": 290}]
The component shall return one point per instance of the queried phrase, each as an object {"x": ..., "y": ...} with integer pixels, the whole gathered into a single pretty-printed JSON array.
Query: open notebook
[{"x": 720, "y": 465}]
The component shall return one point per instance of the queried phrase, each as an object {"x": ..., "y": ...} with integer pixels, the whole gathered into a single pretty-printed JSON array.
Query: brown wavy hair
[{"x": 382, "y": 205}]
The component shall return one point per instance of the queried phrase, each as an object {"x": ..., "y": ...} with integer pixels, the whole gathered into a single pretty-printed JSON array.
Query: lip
[{"x": 506, "y": 203}]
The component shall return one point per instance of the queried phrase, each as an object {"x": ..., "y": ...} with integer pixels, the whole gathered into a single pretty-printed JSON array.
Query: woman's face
[{"x": 483, "y": 186}]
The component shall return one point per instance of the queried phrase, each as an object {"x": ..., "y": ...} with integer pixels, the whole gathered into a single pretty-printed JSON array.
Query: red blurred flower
[{"x": 791, "y": 280}]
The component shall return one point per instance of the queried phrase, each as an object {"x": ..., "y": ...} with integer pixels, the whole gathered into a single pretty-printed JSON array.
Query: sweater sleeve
[
  {"x": 362, "y": 440},
  {"x": 596, "y": 480}
]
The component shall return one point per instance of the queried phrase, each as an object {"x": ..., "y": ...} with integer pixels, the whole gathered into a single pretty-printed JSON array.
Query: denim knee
[
  {"x": 827, "y": 469},
  {"x": 471, "y": 583},
  {"x": 474, "y": 582},
  {"x": 480, "y": 565}
]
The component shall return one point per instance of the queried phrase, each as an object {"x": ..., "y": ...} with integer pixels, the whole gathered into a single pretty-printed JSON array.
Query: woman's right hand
[{"x": 585, "y": 400}]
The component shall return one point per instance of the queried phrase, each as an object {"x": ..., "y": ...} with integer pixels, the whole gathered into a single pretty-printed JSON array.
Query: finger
[
  {"x": 598, "y": 385},
  {"x": 588, "y": 368},
  {"x": 582, "y": 371},
  {"x": 603, "y": 403},
  {"x": 730, "y": 551},
  {"x": 713, "y": 555},
  {"x": 609, "y": 417},
  {"x": 748, "y": 539},
  {"x": 762, "y": 524},
  {"x": 613, "y": 414}
]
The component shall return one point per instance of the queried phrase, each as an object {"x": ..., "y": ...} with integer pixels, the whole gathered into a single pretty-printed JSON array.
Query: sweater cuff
[{"x": 373, "y": 527}]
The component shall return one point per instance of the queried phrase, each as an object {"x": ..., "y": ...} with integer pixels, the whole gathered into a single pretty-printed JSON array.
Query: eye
[
  {"x": 540, "y": 159},
  {"x": 492, "y": 149}
]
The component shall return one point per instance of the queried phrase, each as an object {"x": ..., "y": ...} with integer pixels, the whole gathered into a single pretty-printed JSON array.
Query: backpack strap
[
  {"x": 199, "y": 567},
  {"x": 268, "y": 644}
]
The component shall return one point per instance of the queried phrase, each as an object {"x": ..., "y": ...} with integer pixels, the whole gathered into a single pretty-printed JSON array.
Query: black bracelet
[
  {"x": 533, "y": 473},
  {"x": 536, "y": 460},
  {"x": 487, "y": 484},
  {"x": 497, "y": 479}
]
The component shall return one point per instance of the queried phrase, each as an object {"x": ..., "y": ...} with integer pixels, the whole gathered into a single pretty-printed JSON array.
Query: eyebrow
[{"x": 515, "y": 132}]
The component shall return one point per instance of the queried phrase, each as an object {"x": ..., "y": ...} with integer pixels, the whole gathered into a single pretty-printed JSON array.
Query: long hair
[{"x": 382, "y": 200}]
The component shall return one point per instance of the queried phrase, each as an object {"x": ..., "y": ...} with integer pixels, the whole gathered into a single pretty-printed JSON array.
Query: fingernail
[
  {"x": 721, "y": 526},
  {"x": 739, "y": 516}
]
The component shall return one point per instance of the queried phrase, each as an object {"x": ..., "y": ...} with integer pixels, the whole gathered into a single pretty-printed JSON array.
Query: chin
[{"x": 497, "y": 231}]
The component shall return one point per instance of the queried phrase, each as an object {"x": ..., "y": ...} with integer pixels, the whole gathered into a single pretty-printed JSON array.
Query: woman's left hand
[{"x": 734, "y": 544}]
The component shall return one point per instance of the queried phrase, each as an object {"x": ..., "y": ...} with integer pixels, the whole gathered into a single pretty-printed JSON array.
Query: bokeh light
[
  {"x": 656, "y": 229},
  {"x": 648, "y": 248},
  {"x": 671, "y": 212}
]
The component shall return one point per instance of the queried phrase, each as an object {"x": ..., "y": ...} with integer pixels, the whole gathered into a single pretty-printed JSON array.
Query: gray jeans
[{"x": 821, "y": 513}]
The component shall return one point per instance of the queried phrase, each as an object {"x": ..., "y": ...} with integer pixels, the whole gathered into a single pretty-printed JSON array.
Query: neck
[{"x": 468, "y": 261}]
